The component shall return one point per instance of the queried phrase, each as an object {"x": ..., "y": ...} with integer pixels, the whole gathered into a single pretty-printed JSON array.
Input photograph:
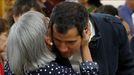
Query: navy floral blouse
[{"x": 86, "y": 68}]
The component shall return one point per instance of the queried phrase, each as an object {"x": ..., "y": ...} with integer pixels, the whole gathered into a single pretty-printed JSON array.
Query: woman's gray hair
[{"x": 26, "y": 48}]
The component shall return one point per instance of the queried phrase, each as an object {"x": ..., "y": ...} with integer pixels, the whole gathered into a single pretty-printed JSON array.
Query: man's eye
[
  {"x": 56, "y": 39},
  {"x": 71, "y": 42}
]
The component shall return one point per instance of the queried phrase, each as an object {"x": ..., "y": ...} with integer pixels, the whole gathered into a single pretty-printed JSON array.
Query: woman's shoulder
[{"x": 53, "y": 68}]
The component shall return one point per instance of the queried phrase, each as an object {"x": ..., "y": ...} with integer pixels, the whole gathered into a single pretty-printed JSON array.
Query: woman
[{"x": 26, "y": 49}]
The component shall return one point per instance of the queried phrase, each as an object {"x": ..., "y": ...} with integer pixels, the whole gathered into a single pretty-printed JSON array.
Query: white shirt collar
[{"x": 92, "y": 30}]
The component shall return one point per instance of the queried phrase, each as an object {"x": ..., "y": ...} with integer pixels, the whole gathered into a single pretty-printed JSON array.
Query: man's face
[{"x": 67, "y": 43}]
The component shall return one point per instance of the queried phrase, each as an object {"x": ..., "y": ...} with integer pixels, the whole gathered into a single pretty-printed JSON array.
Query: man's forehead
[
  {"x": 64, "y": 29},
  {"x": 72, "y": 32}
]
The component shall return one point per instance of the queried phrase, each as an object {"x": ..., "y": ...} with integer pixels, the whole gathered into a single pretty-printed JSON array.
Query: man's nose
[{"x": 63, "y": 47}]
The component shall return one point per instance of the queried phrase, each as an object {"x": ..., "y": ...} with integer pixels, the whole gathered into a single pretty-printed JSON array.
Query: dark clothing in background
[
  {"x": 110, "y": 47},
  {"x": 132, "y": 44}
]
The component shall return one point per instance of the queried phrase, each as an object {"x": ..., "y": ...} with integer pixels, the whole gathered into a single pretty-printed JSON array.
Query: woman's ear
[{"x": 87, "y": 28}]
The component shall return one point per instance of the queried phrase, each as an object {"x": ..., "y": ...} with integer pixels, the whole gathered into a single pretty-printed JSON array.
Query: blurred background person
[
  {"x": 8, "y": 16},
  {"x": 44, "y": 8},
  {"x": 3, "y": 39},
  {"x": 126, "y": 11},
  {"x": 22, "y": 6},
  {"x": 49, "y": 4},
  {"x": 91, "y": 5},
  {"x": 109, "y": 9},
  {"x": 12, "y": 14}
]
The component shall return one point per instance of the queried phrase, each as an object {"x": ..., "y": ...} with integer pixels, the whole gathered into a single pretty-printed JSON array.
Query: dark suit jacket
[
  {"x": 132, "y": 44},
  {"x": 109, "y": 47}
]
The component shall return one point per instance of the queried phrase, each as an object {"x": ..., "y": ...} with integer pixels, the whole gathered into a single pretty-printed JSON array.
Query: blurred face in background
[
  {"x": 3, "y": 38},
  {"x": 83, "y": 1},
  {"x": 130, "y": 4},
  {"x": 3, "y": 34},
  {"x": 3, "y": 43}
]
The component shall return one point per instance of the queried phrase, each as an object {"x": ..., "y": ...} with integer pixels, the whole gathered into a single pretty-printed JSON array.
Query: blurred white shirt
[{"x": 133, "y": 18}]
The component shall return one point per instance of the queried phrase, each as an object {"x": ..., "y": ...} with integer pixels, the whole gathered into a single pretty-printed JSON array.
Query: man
[
  {"x": 126, "y": 12},
  {"x": 108, "y": 41},
  {"x": 76, "y": 35}
]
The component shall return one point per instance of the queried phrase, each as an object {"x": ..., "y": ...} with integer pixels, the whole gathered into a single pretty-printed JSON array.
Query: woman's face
[{"x": 3, "y": 39}]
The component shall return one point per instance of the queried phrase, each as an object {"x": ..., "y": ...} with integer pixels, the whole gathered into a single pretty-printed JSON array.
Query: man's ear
[
  {"x": 48, "y": 40},
  {"x": 48, "y": 37},
  {"x": 87, "y": 28}
]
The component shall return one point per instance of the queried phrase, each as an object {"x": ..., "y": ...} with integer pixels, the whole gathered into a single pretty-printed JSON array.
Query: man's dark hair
[{"x": 66, "y": 15}]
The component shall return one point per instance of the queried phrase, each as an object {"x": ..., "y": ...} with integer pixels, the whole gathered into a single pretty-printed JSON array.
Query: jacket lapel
[{"x": 97, "y": 48}]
